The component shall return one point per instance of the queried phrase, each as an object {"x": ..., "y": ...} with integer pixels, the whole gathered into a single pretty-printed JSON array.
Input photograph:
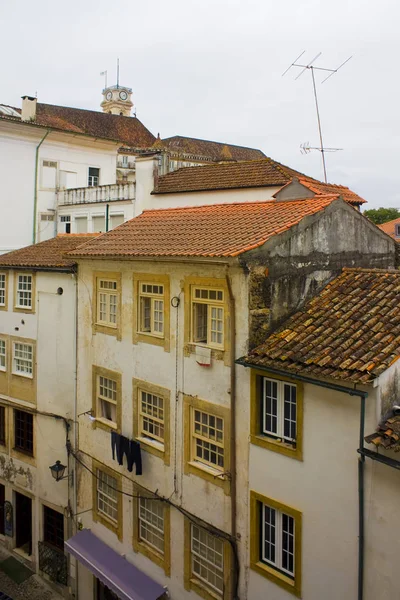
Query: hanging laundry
[{"x": 121, "y": 445}]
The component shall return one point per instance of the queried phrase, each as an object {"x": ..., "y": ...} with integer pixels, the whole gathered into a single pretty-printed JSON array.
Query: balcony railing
[
  {"x": 101, "y": 193},
  {"x": 125, "y": 165},
  {"x": 53, "y": 562}
]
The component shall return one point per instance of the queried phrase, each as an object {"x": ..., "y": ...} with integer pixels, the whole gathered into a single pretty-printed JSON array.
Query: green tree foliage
[{"x": 382, "y": 215}]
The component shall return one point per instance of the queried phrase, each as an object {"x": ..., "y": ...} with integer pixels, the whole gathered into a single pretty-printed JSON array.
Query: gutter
[
  {"x": 235, "y": 570},
  {"x": 363, "y": 452},
  {"x": 35, "y": 194}
]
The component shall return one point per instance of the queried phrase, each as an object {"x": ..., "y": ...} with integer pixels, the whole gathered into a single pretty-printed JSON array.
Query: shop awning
[{"x": 123, "y": 578}]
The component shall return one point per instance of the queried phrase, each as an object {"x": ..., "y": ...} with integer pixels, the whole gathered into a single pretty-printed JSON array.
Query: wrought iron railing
[{"x": 53, "y": 562}]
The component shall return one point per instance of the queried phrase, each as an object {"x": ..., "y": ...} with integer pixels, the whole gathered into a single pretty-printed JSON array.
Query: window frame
[
  {"x": 147, "y": 444},
  {"x": 151, "y": 337},
  {"x": 3, "y": 425},
  {"x": 20, "y": 308},
  {"x": 27, "y": 375},
  {"x": 279, "y": 415},
  {"x": 397, "y": 230},
  {"x": 101, "y": 421},
  {"x": 23, "y": 449},
  {"x": 115, "y": 526},
  {"x": 218, "y": 352},
  {"x": 153, "y": 297},
  {"x": 193, "y": 582},
  {"x": 47, "y": 510},
  {"x": 4, "y": 306},
  {"x": 162, "y": 559},
  {"x": 218, "y": 476},
  {"x": 291, "y": 583},
  {"x": 94, "y": 180},
  {"x": 105, "y": 326},
  {"x": 211, "y": 304},
  {"x": 258, "y": 436}
]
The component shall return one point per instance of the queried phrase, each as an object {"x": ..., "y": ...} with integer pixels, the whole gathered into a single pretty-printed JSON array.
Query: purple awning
[{"x": 123, "y": 578}]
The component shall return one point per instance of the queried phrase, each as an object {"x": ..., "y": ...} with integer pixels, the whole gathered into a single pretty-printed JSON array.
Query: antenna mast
[
  {"x": 312, "y": 68},
  {"x": 117, "y": 73}
]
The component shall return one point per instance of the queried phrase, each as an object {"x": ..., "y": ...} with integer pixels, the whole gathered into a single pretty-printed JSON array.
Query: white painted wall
[
  {"x": 88, "y": 211},
  {"x": 52, "y": 326},
  {"x": 72, "y": 153},
  {"x": 153, "y": 364}
]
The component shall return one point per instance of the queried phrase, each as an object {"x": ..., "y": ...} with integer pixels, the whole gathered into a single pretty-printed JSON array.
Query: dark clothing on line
[{"x": 121, "y": 445}]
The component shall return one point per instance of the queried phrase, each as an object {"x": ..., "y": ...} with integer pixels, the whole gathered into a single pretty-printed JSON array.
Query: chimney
[{"x": 28, "y": 112}]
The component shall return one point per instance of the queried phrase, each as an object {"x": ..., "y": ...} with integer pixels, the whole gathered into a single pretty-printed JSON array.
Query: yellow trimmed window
[
  {"x": 23, "y": 359},
  {"x": 279, "y": 409},
  {"x": 107, "y": 390},
  {"x": 3, "y": 289},
  {"x": 207, "y": 316},
  {"x": 107, "y": 495},
  {"x": 276, "y": 541},
  {"x": 207, "y": 439},
  {"x": 151, "y": 309},
  {"x": 207, "y": 560},
  {"x": 151, "y": 524},
  {"x": 151, "y": 417},
  {"x": 107, "y": 302},
  {"x": 24, "y": 291}
]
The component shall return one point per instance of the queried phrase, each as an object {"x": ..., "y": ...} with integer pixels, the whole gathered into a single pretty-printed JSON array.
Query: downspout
[
  {"x": 363, "y": 396},
  {"x": 35, "y": 191},
  {"x": 232, "y": 309},
  {"x": 76, "y": 441}
]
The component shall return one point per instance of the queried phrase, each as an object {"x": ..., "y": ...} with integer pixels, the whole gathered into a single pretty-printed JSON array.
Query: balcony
[
  {"x": 53, "y": 562},
  {"x": 125, "y": 165},
  {"x": 101, "y": 193}
]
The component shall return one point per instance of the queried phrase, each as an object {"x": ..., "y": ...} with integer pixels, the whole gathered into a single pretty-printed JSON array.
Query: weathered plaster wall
[{"x": 289, "y": 268}]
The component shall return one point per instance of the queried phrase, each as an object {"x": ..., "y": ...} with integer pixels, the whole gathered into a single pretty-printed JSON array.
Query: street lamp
[{"x": 58, "y": 471}]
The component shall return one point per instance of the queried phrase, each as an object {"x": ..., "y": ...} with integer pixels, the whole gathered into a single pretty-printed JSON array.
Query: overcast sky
[{"x": 212, "y": 69}]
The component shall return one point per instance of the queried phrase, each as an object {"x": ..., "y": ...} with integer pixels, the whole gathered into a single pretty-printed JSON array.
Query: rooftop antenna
[
  {"x": 117, "y": 73},
  {"x": 309, "y": 66},
  {"x": 104, "y": 74}
]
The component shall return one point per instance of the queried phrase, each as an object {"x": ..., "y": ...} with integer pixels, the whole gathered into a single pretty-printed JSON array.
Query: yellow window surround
[
  {"x": 206, "y": 441},
  {"x": 107, "y": 303},
  {"x": 151, "y": 524},
  {"x": 259, "y": 434},
  {"x": 3, "y": 290},
  {"x": 258, "y": 562},
  {"x": 151, "y": 418},
  {"x": 106, "y": 393},
  {"x": 151, "y": 309}
]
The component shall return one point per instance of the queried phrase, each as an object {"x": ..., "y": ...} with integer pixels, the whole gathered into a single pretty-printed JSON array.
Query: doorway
[{"x": 23, "y": 523}]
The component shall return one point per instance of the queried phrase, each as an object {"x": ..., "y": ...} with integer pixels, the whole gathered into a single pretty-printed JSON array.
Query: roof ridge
[
  {"x": 243, "y": 203},
  {"x": 187, "y": 137},
  {"x": 388, "y": 271}
]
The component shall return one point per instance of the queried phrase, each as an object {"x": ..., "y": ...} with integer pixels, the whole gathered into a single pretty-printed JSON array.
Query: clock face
[
  {"x": 123, "y": 95},
  {"x": 109, "y": 95}
]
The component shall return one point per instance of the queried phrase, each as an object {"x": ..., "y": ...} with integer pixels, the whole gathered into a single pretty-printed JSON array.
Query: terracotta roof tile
[
  {"x": 215, "y": 230},
  {"x": 387, "y": 434},
  {"x": 48, "y": 254},
  {"x": 321, "y": 341},
  {"x": 263, "y": 172},
  {"x": 390, "y": 228},
  {"x": 216, "y": 151}
]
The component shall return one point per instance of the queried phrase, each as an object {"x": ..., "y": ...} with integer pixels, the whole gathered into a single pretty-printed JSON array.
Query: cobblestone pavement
[{"x": 34, "y": 588}]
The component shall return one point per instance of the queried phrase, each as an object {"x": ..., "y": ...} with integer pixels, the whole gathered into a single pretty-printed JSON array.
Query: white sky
[{"x": 212, "y": 69}]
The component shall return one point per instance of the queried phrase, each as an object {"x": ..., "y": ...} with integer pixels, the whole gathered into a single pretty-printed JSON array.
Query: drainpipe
[
  {"x": 35, "y": 191},
  {"x": 232, "y": 307},
  {"x": 76, "y": 440},
  {"x": 107, "y": 215},
  {"x": 363, "y": 396}
]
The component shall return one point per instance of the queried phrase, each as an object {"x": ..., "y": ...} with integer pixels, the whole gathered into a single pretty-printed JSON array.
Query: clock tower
[{"x": 117, "y": 100}]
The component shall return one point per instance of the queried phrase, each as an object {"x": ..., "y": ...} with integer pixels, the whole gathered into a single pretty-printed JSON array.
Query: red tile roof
[
  {"x": 263, "y": 172},
  {"x": 215, "y": 230},
  {"x": 390, "y": 228},
  {"x": 216, "y": 151},
  {"x": 350, "y": 331},
  {"x": 48, "y": 254}
]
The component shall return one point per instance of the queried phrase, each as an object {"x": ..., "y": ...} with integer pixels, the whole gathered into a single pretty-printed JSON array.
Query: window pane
[
  {"x": 24, "y": 291},
  {"x": 107, "y": 502},
  {"x": 2, "y": 355},
  {"x": 23, "y": 361},
  {"x": 151, "y": 523},
  {"x": 53, "y": 527},
  {"x": 207, "y": 558},
  {"x": 2, "y": 289},
  {"x": 152, "y": 416},
  {"x": 200, "y": 315},
  {"x": 289, "y": 412},
  {"x": 269, "y": 533},
  {"x": 270, "y": 406},
  {"x": 23, "y": 431},
  {"x": 145, "y": 316},
  {"x": 208, "y": 434},
  {"x": 288, "y": 543}
]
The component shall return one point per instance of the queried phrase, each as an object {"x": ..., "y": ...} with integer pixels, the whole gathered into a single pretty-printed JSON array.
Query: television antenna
[{"x": 310, "y": 67}]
